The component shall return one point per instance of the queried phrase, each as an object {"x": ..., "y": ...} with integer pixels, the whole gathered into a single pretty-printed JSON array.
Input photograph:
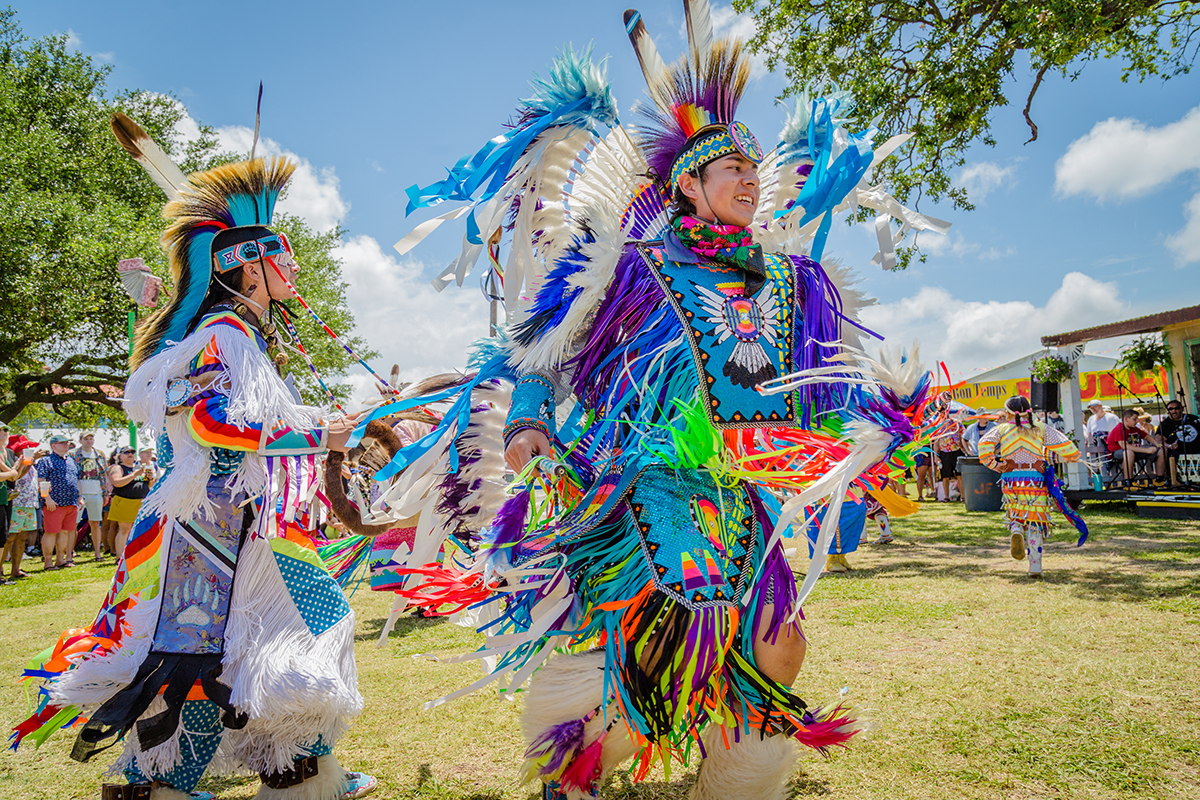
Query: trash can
[{"x": 981, "y": 487}]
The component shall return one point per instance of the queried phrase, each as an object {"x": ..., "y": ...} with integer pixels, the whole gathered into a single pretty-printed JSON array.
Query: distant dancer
[
  {"x": 1022, "y": 451},
  {"x": 948, "y": 447}
]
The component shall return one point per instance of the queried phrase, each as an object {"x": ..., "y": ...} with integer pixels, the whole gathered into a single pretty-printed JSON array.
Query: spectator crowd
[{"x": 62, "y": 496}]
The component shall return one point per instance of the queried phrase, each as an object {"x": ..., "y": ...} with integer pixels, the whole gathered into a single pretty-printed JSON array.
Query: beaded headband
[
  {"x": 246, "y": 252},
  {"x": 724, "y": 139}
]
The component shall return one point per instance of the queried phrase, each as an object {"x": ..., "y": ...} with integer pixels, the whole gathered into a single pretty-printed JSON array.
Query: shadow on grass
[
  {"x": 621, "y": 788},
  {"x": 407, "y": 624},
  {"x": 223, "y": 783}
]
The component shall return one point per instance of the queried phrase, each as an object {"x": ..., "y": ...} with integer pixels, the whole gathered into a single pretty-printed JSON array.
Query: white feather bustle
[
  {"x": 328, "y": 784},
  {"x": 256, "y": 393},
  {"x": 750, "y": 769},
  {"x": 484, "y": 438},
  {"x": 568, "y": 687},
  {"x": 591, "y": 284}
]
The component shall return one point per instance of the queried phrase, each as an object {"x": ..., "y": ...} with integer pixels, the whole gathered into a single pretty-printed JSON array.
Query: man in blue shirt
[
  {"x": 59, "y": 478},
  {"x": 973, "y": 433}
]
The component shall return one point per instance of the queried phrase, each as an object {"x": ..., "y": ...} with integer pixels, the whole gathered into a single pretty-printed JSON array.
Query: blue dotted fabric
[
  {"x": 320, "y": 600},
  {"x": 202, "y": 729}
]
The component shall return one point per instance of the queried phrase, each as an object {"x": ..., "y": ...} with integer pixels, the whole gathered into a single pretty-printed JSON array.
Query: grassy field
[{"x": 981, "y": 683}]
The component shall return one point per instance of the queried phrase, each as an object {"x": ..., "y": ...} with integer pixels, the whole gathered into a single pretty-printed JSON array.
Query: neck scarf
[{"x": 726, "y": 244}]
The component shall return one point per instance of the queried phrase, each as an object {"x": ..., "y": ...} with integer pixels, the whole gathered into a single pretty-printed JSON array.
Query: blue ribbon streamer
[{"x": 493, "y": 161}]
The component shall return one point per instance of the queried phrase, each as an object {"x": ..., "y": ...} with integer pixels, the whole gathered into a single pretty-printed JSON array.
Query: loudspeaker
[{"x": 1043, "y": 396}]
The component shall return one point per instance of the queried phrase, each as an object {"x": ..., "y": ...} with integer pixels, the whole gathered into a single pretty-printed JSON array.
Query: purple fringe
[
  {"x": 562, "y": 742},
  {"x": 631, "y": 298},
  {"x": 509, "y": 525},
  {"x": 822, "y": 306},
  {"x": 776, "y": 573}
]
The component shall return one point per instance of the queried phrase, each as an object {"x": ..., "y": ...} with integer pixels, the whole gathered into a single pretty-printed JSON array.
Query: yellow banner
[{"x": 1104, "y": 386}]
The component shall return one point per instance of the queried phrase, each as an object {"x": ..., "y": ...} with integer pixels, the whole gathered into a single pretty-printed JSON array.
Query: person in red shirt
[{"x": 1131, "y": 441}]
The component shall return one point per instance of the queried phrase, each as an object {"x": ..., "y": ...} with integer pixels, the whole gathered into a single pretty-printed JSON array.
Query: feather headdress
[
  {"x": 699, "y": 89},
  {"x": 229, "y": 196}
]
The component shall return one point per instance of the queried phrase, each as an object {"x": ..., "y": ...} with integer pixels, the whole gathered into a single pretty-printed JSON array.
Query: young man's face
[
  {"x": 729, "y": 192},
  {"x": 86, "y": 442}
]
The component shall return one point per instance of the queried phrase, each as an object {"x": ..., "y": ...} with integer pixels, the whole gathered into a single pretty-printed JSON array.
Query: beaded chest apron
[{"x": 737, "y": 341}]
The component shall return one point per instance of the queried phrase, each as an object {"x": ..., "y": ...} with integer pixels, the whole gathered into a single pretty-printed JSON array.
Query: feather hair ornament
[
  {"x": 149, "y": 155},
  {"x": 257, "y": 120}
]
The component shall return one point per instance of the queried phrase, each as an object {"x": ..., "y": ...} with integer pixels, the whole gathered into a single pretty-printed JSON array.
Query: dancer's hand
[
  {"x": 340, "y": 430},
  {"x": 524, "y": 446}
]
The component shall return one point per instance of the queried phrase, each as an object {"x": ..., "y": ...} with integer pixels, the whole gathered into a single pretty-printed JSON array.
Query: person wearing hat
[
  {"x": 91, "y": 465},
  {"x": 131, "y": 483},
  {"x": 1100, "y": 421},
  {"x": 975, "y": 432},
  {"x": 24, "y": 503},
  {"x": 59, "y": 479},
  {"x": 10, "y": 471}
]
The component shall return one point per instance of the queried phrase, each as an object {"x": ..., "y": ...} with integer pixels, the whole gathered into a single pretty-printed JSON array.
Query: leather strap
[{"x": 302, "y": 769}]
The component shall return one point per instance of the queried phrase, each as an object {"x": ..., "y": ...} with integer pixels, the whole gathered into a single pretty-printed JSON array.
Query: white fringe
[
  {"x": 567, "y": 688},
  {"x": 256, "y": 394},
  {"x": 329, "y": 784},
  {"x": 295, "y": 686},
  {"x": 751, "y": 769},
  {"x": 95, "y": 678},
  {"x": 164, "y": 792}
]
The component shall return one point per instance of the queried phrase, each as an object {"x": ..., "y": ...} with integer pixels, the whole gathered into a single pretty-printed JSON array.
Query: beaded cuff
[{"x": 532, "y": 407}]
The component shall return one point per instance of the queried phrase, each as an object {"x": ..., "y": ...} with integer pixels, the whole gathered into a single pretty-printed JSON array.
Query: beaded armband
[{"x": 532, "y": 407}]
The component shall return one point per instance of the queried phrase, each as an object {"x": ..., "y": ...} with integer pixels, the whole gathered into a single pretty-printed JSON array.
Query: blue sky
[{"x": 1098, "y": 220}]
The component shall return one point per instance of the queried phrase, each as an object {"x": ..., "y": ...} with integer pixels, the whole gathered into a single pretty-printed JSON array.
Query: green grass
[{"x": 979, "y": 682}]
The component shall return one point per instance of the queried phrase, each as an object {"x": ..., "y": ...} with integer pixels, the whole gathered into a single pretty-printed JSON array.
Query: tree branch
[
  {"x": 78, "y": 379},
  {"x": 1029, "y": 102}
]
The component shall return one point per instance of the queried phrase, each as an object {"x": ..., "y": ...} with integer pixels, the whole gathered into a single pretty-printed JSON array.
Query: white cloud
[
  {"x": 995, "y": 253},
  {"x": 1185, "y": 244},
  {"x": 400, "y": 314},
  {"x": 73, "y": 40},
  {"x": 727, "y": 22},
  {"x": 957, "y": 246},
  {"x": 981, "y": 178},
  {"x": 1126, "y": 158},
  {"x": 971, "y": 334}
]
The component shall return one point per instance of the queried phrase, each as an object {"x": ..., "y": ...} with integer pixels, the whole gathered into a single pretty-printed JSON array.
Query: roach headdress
[
  {"x": 691, "y": 121},
  {"x": 239, "y": 195}
]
